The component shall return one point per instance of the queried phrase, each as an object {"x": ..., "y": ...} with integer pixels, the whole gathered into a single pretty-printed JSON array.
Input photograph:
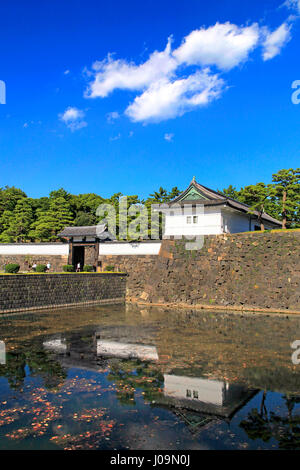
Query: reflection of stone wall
[
  {"x": 26, "y": 261},
  {"x": 255, "y": 269},
  {"x": 30, "y": 291}
]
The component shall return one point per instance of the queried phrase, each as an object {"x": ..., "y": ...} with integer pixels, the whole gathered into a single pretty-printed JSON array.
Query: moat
[{"x": 129, "y": 377}]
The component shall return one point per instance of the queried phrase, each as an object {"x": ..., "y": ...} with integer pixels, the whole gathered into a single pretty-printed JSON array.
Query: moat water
[{"x": 126, "y": 377}]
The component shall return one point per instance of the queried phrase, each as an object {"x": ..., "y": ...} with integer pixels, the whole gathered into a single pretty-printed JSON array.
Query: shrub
[
  {"x": 88, "y": 268},
  {"x": 109, "y": 268},
  {"x": 12, "y": 268},
  {"x": 41, "y": 268},
  {"x": 68, "y": 268}
]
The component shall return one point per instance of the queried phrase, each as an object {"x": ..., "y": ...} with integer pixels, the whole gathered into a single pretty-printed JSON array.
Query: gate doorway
[{"x": 78, "y": 256}]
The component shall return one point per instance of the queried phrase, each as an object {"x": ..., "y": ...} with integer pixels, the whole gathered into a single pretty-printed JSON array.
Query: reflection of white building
[
  {"x": 58, "y": 345},
  {"x": 126, "y": 350},
  {"x": 2, "y": 353},
  {"x": 202, "y": 395},
  {"x": 194, "y": 388}
]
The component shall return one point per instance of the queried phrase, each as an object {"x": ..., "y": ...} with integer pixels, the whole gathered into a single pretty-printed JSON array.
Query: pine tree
[
  {"x": 51, "y": 222},
  {"x": 256, "y": 197},
  {"x": 21, "y": 220},
  {"x": 287, "y": 189}
]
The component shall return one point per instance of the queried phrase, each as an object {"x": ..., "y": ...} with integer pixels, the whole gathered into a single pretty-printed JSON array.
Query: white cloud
[
  {"x": 116, "y": 137},
  {"x": 165, "y": 84},
  {"x": 73, "y": 118},
  {"x": 111, "y": 74},
  {"x": 169, "y": 137},
  {"x": 111, "y": 117},
  {"x": 66, "y": 72},
  {"x": 275, "y": 41},
  {"x": 224, "y": 45},
  {"x": 292, "y": 4},
  {"x": 166, "y": 99}
]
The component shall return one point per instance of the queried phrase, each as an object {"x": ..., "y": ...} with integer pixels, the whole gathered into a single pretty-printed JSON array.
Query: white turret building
[{"x": 202, "y": 211}]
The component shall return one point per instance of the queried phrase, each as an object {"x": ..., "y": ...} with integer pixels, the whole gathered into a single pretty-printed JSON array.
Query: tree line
[{"x": 24, "y": 219}]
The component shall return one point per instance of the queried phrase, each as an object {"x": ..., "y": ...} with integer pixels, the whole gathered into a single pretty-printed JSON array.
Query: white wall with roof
[
  {"x": 47, "y": 249},
  {"x": 208, "y": 221},
  {"x": 123, "y": 248}
]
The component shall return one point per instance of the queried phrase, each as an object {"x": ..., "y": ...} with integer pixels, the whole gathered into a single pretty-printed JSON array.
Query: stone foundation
[
  {"x": 34, "y": 291},
  {"x": 249, "y": 270}
]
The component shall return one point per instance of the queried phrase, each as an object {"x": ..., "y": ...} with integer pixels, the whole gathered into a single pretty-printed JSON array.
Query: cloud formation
[
  {"x": 165, "y": 99},
  {"x": 223, "y": 45},
  {"x": 169, "y": 137},
  {"x": 112, "y": 117},
  {"x": 73, "y": 118},
  {"x": 110, "y": 74},
  {"x": 275, "y": 41},
  {"x": 173, "y": 82},
  {"x": 293, "y": 4}
]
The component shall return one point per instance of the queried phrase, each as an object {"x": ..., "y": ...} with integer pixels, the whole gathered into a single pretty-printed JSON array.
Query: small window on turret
[
  {"x": 189, "y": 220},
  {"x": 195, "y": 219}
]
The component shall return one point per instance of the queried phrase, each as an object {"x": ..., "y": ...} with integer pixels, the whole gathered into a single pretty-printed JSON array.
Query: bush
[
  {"x": 68, "y": 268},
  {"x": 12, "y": 268},
  {"x": 41, "y": 268},
  {"x": 109, "y": 268},
  {"x": 87, "y": 268}
]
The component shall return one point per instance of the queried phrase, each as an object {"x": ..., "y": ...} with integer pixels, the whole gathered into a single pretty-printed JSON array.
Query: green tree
[
  {"x": 173, "y": 193},
  {"x": 160, "y": 196},
  {"x": 231, "y": 192},
  {"x": 9, "y": 197},
  {"x": 256, "y": 197},
  {"x": 61, "y": 192},
  {"x": 84, "y": 219},
  {"x": 287, "y": 189},
  {"x": 19, "y": 221},
  {"x": 49, "y": 223}
]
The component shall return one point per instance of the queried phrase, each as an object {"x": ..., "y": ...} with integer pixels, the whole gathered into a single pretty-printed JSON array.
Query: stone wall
[
  {"x": 33, "y": 291},
  {"x": 249, "y": 270},
  {"x": 26, "y": 261},
  {"x": 138, "y": 268}
]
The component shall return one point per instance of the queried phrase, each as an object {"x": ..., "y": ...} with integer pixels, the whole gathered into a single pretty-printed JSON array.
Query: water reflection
[
  {"x": 123, "y": 377},
  {"x": 126, "y": 350},
  {"x": 2, "y": 352}
]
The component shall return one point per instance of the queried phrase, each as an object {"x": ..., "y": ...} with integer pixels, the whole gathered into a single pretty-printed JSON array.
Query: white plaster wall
[
  {"x": 209, "y": 391},
  {"x": 209, "y": 222},
  {"x": 234, "y": 222},
  {"x": 129, "y": 248},
  {"x": 34, "y": 249},
  {"x": 266, "y": 225}
]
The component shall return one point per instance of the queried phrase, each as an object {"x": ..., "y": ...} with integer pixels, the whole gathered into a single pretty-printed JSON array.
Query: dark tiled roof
[
  {"x": 214, "y": 199},
  {"x": 86, "y": 231}
]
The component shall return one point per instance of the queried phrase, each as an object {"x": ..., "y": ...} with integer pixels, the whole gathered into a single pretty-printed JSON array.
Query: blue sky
[{"x": 214, "y": 101}]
